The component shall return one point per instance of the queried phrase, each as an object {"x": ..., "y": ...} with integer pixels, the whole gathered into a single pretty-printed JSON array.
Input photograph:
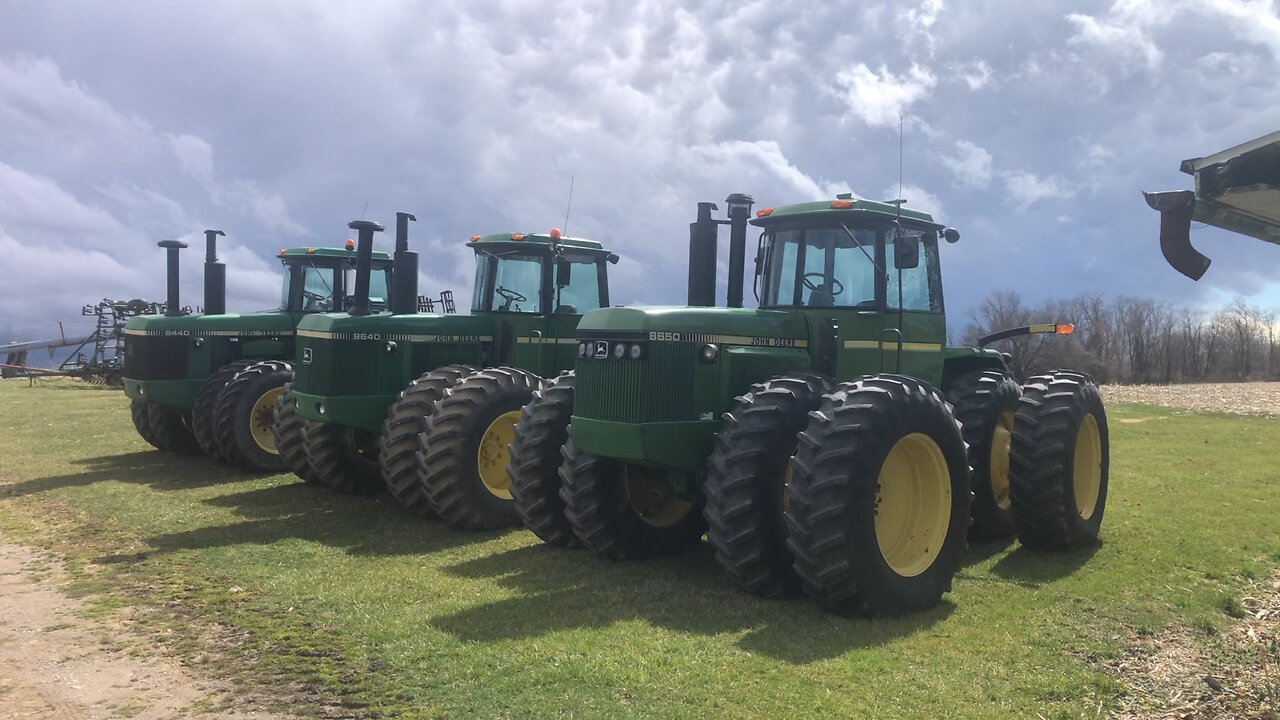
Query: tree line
[{"x": 1135, "y": 340}]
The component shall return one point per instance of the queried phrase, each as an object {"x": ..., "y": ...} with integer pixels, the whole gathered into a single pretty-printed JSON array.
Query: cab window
[
  {"x": 921, "y": 289},
  {"x": 583, "y": 291},
  {"x": 507, "y": 282}
]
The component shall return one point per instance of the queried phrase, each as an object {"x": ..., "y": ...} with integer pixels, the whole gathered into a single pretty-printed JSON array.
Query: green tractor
[
  {"x": 207, "y": 383},
  {"x": 828, "y": 439},
  {"x": 424, "y": 405}
]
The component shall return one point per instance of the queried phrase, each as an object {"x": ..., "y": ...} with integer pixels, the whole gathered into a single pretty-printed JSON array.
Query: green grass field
[{"x": 353, "y": 599}]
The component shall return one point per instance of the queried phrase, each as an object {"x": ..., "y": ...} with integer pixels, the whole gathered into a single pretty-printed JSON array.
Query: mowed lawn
[{"x": 276, "y": 583}]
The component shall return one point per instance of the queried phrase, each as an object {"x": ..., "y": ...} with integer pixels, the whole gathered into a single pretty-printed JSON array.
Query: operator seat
[
  {"x": 822, "y": 297},
  {"x": 566, "y": 309}
]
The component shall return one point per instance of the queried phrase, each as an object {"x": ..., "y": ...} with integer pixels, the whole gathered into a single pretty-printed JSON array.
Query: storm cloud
[{"x": 1031, "y": 127}]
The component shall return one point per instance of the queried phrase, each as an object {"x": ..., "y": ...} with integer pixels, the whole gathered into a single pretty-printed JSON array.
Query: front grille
[
  {"x": 658, "y": 388},
  {"x": 338, "y": 367},
  {"x": 155, "y": 357}
]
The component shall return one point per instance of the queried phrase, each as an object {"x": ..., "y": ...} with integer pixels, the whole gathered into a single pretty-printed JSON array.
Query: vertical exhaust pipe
[
  {"x": 404, "y": 274},
  {"x": 215, "y": 276},
  {"x": 172, "y": 308},
  {"x": 739, "y": 206},
  {"x": 364, "y": 262},
  {"x": 702, "y": 258}
]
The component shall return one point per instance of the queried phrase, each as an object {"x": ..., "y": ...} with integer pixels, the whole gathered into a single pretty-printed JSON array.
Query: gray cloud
[{"x": 124, "y": 125}]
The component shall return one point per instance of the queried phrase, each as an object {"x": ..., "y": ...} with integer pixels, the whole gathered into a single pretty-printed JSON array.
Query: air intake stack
[
  {"x": 215, "y": 276},
  {"x": 364, "y": 263},
  {"x": 172, "y": 247},
  {"x": 404, "y": 274}
]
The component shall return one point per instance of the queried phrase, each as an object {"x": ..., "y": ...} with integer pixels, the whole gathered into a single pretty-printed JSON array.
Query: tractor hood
[
  {"x": 380, "y": 327},
  {"x": 229, "y": 324},
  {"x": 748, "y": 323}
]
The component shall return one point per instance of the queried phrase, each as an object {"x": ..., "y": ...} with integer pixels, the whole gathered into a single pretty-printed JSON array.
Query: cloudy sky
[{"x": 1031, "y": 127}]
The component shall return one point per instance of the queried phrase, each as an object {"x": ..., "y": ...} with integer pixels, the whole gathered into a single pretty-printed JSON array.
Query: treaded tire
[
  {"x": 450, "y": 444},
  {"x": 535, "y": 462},
  {"x": 836, "y": 493},
  {"x": 596, "y": 504},
  {"x": 290, "y": 430},
  {"x": 139, "y": 413},
  {"x": 1042, "y": 464},
  {"x": 985, "y": 402},
  {"x": 171, "y": 429},
  {"x": 345, "y": 459},
  {"x": 240, "y": 411},
  {"x": 745, "y": 485},
  {"x": 398, "y": 443},
  {"x": 203, "y": 422}
]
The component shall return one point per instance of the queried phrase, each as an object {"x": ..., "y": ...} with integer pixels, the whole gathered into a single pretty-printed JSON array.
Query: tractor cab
[
  {"x": 867, "y": 277},
  {"x": 535, "y": 287},
  {"x": 323, "y": 280}
]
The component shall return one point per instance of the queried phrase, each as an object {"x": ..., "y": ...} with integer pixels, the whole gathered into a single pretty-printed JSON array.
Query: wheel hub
[
  {"x": 913, "y": 504},
  {"x": 262, "y": 419},
  {"x": 1086, "y": 477},
  {"x": 491, "y": 455}
]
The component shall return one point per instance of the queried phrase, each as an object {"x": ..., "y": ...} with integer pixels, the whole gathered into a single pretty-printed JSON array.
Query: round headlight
[
  {"x": 582, "y": 349},
  {"x": 634, "y": 351},
  {"x": 391, "y": 347},
  {"x": 710, "y": 353},
  {"x": 619, "y": 350}
]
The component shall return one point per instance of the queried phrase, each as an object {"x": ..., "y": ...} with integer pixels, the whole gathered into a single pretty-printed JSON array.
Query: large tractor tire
[
  {"x": 879, "y": 498},
  {"x": 345, "y": 459},
  {"x": 535, "y": 462},
  {"x": 464, "y": 448},
  {"x": 985, "y": 402},
  {"x": 203, "y": 422},
  {"x": 171, "y": 429},
  {"x": 139, "y": 413},
  {"x": 290, "y": 430},
  {"x": 746, "y": 485},
  {"x": 622, "y": 511},
  {"x": 245, "y": 415},
  {"x": 398, "y": 443},
  {"x": 1059, "y": 465}
]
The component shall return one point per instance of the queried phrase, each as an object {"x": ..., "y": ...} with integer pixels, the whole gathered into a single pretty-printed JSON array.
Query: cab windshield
[
  {"x": 508, "y": 282},
  {"x": 328, "y": 288},
  {"x": 820, "y": 267}
]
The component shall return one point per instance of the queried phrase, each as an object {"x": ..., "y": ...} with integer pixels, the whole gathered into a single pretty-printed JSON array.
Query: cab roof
[
  {"x": 844, "y": 205},
  {"x": 542, "y": 239},
  {"x": 326, "y": 252}
]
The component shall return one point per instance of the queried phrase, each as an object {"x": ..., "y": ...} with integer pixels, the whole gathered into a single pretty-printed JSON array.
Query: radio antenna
[
  {"x": 567, "y": 207},
  {"x": 365, "y": 210}
]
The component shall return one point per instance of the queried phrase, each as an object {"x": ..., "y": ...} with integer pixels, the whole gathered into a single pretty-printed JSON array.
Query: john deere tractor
[
  {"x": 189, "y": 377},
  {"x": 367, "y": 387},
  {"x": 828, "y": 439}
]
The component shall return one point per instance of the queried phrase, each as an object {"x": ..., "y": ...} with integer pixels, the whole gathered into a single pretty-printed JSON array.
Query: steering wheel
[
  {"x": 309, "y": 298},
  {"x": 511, "y": 296},
  {"x": 837, "y": 287}
]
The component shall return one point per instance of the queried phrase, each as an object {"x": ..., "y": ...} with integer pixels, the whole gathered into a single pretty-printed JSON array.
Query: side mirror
[
  {"x": 564, "y": 270},
  {"x": 349, "y": 281},
  {"x": 906, "y": 252},
  {"x": 612, "y": 258},
  {"x": 951, "y": 235}
]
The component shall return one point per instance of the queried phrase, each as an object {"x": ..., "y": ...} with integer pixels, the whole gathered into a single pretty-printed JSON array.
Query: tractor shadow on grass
[
  {"x": 560, "y": 590},
  {"x": 294, "y": 510},
  {"x": 1034, "y": 568},
  {"x": 158, "y": 470}
]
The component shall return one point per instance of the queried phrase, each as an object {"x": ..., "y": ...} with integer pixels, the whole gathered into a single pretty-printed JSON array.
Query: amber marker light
[
  {"x": 841, "y": 204},
  {"x": 555, "y": 233},
  {"x": 351, "y": 244},
  {"x": 517, "y": 236},
  {"x": 1064, "y": 328},
  {"x": 764, "y": 212}
]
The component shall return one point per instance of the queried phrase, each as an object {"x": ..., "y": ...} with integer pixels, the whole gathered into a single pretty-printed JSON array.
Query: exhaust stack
[
  {"x": 172, "y": 308},
  {"x": 215, "y": 276},
  {"x": 404, "y": 274},
  {"x": 364, "y": 262},
  {"x": 702, "y": 257},
  {"x": 739, "y": 206}
]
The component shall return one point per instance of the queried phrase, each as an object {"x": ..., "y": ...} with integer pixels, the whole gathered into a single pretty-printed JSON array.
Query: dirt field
[
  {"x": 1252, "y": 398},
  {"x": 59, "y": 663}
]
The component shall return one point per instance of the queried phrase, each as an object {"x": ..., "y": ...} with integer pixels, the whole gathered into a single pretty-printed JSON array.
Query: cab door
[{"x": 914, "y": 332}]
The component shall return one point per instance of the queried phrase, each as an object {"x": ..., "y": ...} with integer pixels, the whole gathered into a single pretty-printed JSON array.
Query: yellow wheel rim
[
  {"x": 998, "y": 463},
  {"x": 491, "y": 456},
  {"x": 1087, "y": 467},
  {"x": 651, "y": 498},
  {"x": 262, "y": 419},
  {"x": 913, "y": 504}
]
